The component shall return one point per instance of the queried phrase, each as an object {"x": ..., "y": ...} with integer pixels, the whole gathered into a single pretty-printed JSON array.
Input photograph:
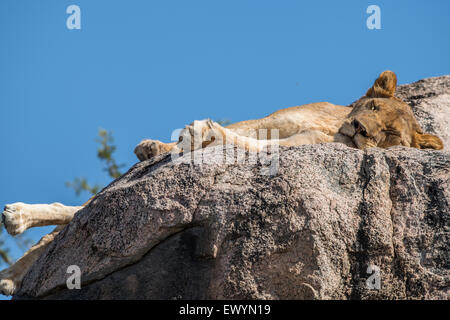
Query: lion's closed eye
[
  {"x": 373, "y": 106},
  {"x": 392, "y": 132}
]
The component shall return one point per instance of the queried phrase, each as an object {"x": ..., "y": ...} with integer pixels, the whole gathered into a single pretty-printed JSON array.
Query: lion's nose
[{"x": 359, "y": 127}]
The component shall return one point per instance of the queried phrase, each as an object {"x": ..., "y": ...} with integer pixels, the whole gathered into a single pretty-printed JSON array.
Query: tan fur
[
  {"x": 384, "y": 86},
  {"x": 378, "y": 119},
  {"x": 382, "y": 121},
  {"x": 11, "y": 278},
  {"x": 385, "y": 121}
]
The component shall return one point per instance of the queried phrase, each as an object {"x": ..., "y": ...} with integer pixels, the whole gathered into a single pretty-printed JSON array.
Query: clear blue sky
[{"x": 143, "y": 68}]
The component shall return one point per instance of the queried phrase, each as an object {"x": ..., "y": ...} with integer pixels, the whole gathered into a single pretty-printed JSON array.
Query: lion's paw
[
  {"x": 147, "y": 149},
  {"x": 7, "y": 285},
  {"x": 13, "y": 218}
]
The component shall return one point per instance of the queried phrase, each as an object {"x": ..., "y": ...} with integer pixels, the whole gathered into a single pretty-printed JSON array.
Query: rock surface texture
[{"x": 326, "y": 224}]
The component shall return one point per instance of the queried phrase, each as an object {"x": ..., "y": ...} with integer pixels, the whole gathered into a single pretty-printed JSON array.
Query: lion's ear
[
  {"x": 428, "y": 141},
  {"x": 384, "y": 86}
]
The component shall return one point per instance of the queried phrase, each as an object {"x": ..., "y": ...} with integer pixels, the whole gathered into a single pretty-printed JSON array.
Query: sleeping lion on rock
[{"x": 378, "y": 119}]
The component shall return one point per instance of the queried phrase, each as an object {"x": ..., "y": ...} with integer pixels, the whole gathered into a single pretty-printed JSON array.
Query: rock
[{"x": 311, "y": 222}]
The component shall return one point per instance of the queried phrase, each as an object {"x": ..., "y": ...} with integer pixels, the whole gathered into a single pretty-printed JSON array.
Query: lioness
[{"x": 378, "y": 119}]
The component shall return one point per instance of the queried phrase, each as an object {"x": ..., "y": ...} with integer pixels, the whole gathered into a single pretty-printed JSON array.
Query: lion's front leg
[
  {"x": 11, "y": 278},
  {"x": 19, "y": 216},
  {"x": 199, "y": 134},
  {"x": 207, "y": 133}
]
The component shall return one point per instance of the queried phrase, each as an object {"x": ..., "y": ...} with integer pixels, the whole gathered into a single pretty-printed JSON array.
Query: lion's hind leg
[
  {"x": 19, "y": 216},
  {"x": 11, "y": 278}
]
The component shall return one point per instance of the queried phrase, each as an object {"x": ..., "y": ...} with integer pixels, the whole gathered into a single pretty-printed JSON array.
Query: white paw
[
  {"x": 147, "y": 149},
  {"x": 7, "y": 286},
  {"x": 13, "y": 218}
]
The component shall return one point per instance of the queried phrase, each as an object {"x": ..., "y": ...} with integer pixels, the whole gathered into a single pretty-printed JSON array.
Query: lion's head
[{"x": 381, "y": 120}]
